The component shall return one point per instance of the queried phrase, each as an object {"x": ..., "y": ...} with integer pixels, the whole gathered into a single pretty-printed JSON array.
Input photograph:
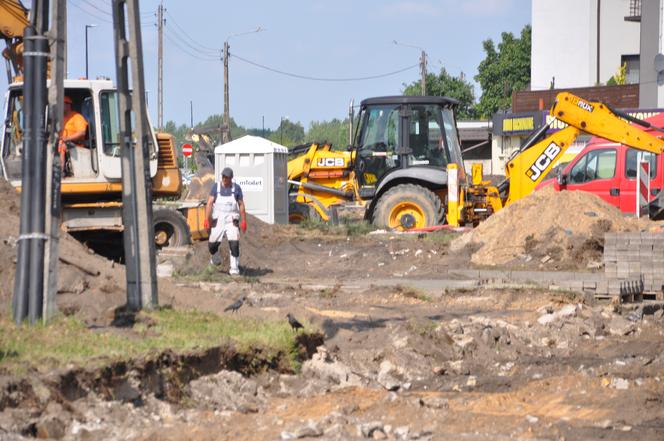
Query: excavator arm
[
  {"x": 533, "y": 162},
  {"x": 529, "y": 165},
  {"x": 13, "y": 20}
]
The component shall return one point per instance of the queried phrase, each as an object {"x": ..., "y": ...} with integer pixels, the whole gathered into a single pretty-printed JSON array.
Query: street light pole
[
  {"x": 226, "y": 134},
  {"x": 87, "y": 26}
]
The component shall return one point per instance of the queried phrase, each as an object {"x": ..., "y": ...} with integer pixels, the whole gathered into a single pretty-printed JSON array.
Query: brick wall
[
  {"x": 634, "y": 256},
  {"x": 619, "y": 97}
]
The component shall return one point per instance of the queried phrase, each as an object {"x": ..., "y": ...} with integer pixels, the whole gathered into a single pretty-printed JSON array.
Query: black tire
[
  {"x": 170, "y": 228},
  {"x": 298, "y": 212},
  {"x": 407, "y": 206}
]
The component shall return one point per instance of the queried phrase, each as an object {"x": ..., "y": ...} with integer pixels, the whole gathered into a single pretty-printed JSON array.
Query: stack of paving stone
[{"x": 632, "y": 261}]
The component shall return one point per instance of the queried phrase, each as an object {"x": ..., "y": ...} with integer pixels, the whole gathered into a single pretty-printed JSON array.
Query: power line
[
  {"x": 305, "y": 77},
  {"x": 186, "y": 51},
  {"x": 105, "y": 20},
  {"x": 92, "y": 5},
  {"x": 96, "y": 15},
  {"x": 216, "y": 50},
  {"x": 193, "y": 46}
]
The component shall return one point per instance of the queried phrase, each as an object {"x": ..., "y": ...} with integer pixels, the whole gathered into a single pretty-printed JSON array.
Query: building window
[{"x": 633, "y": 66}]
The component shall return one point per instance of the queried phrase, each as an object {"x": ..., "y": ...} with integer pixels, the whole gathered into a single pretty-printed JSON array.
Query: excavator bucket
[{"x": 202, "y": 182}]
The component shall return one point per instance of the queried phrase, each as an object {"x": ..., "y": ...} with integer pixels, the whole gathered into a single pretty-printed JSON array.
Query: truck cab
[{"x": 608, "y": 169}]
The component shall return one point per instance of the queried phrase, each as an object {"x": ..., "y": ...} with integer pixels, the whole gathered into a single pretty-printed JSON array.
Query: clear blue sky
[{"x": 315, "y": 38}]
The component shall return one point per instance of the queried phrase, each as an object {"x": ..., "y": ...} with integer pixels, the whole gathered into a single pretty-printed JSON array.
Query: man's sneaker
[{"x": 215, "y": 259}]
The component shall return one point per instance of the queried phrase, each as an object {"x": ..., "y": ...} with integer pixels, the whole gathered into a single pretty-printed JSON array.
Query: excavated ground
[{"x": 396, "y": 362}]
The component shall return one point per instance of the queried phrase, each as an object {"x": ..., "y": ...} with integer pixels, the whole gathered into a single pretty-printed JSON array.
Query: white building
[{"x": 582, "y": 43}]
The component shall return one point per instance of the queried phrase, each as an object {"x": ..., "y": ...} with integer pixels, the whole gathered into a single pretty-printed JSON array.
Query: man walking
[{"x": 225, "y": 214}]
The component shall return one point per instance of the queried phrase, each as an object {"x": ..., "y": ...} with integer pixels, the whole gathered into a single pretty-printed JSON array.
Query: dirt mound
[
  {"x": 257, "y": 246},
  {"x": 87, "y": 283},
  {"x": 9, "y": 206},
  {"x": 566, "y": 227}
]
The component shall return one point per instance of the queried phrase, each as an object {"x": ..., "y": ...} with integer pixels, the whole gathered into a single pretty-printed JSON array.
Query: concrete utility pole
[
  {"x": 423, "y": 71},
  {"x": 160, "y": 65},
  {"x": 58, "y": 35},
  {"x": 226, "y": 127},
  {"x": 226, "y": 133},
  {"x": 135, "y": 144},
  {"x": 423, "y": 65}
]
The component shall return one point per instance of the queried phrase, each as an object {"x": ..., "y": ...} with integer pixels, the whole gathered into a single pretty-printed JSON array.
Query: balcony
[{"x": 634, "y": 11}]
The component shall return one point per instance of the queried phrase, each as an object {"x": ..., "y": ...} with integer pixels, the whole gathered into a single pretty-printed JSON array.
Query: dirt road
[{"x": 397, "y": 362}]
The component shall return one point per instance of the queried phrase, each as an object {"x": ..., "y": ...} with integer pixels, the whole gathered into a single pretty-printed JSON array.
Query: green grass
[
  {"x": 68, "y": 341},
  {"x": 347, "y": 227},
  {"x": 413, "y": 293}
]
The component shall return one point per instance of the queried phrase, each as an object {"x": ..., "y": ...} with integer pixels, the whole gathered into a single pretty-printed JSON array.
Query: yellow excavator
[
  {"x": 405, "y": 166},
  {"x": 92, "y": 193},
  {"x": 473, "y": 200}
]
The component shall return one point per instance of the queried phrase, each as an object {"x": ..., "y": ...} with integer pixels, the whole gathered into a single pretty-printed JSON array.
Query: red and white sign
[
  {"x": 187, "y": 150},
  {"x": 642, "y": 188}
]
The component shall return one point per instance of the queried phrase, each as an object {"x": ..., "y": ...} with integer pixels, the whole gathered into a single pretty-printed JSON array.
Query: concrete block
[{"x": 588, "y": 284}]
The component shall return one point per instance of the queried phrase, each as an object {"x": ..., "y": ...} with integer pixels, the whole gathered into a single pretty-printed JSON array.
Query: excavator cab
[
  {"x": 400, "y": 133},
  {"x": 93, "y": 163},
  {"x": 403, "y": 146}
]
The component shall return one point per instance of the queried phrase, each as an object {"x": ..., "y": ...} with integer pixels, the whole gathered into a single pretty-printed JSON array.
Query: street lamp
[
  {"x": 87, "y": 26},
  {"x": 423, "y": 64},
  {"x": 227, "y": 119}
]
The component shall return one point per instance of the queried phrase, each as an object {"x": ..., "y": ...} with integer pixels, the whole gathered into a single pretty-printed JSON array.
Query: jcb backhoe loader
[
  {"x": 471, "y": 201},
  {"x": 396, "y": 167}
]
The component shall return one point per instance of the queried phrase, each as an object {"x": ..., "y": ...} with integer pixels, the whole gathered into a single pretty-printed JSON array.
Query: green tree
[
  {"x": 445, "y": 84},
  {"x": 333, "y": 132},
  {"x": 289, "y": 133},
  {"x": 217, "y": 120},
  {"x": 503, "y": 71}
]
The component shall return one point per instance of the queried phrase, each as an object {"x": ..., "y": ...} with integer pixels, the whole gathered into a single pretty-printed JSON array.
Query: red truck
[{"x": 608, "y": 170}]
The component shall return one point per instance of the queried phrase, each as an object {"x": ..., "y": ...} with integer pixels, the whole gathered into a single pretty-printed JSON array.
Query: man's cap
[
  {"x": 228, "y": 172},
  {"x": 68, "y": 100}
]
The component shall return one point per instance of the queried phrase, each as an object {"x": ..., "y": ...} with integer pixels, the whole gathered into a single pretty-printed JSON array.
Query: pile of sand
[
  {"x": 89, "y": 283},
  {"x": 547, "y": 226}
]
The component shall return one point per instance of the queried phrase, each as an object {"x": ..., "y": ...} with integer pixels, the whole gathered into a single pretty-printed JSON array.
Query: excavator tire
[
  {"x": 170, "y": 228},
  {"x": 299, "y": 212},
  {"x": 407, "y": 206}
]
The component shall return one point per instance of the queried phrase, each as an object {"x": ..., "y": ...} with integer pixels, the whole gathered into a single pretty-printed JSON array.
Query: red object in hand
[
  {"x": 206, "y": 224},
  {"x": 243, "y": 225}
]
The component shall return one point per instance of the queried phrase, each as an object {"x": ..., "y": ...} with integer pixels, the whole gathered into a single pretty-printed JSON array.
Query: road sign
[{"x": 187, "y": 150}]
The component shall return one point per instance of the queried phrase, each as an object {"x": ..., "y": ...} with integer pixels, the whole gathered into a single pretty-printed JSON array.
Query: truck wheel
[
  {"x": 407, "y": 206},
  {"x": 170, "y": 229}
]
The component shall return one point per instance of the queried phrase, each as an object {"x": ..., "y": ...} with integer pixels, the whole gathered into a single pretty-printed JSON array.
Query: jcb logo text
[
  {"x": 543, "y": 161},
  {"x": 330, "y": 162}
]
